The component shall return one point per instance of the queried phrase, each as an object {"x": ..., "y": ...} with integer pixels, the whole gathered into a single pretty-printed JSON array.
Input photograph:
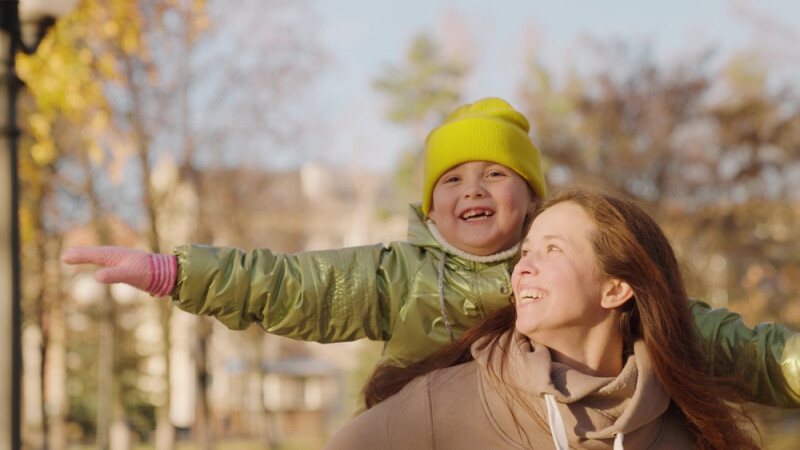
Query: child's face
[
  {"x": 479, "y": 207},
  {"x": 556, "y": 282}
]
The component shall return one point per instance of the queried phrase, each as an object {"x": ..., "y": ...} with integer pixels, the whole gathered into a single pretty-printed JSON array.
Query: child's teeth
[{"x": 472, "y": 214}]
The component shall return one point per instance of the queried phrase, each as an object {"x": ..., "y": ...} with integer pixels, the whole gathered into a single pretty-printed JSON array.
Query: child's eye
[
  {"x": 524, "y": 253},
  {"x": 496, "y": 173},
  {"x": 451, "y": 179}
]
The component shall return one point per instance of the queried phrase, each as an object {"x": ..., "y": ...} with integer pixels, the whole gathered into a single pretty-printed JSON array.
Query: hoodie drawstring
[
  {"x": 447, "y": 247},
  {"x": 559, "y": 430},
  {"x": 618, "y": 441},
  {"x": 556, "y": 422},
  {"x": 441, "y": 299}
]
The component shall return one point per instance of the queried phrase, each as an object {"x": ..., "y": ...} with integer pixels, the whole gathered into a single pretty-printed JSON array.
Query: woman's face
[{"x": 556, "y": 282}]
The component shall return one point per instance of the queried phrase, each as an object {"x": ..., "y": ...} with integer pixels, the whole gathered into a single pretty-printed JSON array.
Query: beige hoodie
[{"x": 541, "y": 405}]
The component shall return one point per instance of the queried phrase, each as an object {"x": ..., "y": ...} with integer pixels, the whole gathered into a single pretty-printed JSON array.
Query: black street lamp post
[
  {"x": 9, "y": 230},
  {"x": 22, "y": 27}
]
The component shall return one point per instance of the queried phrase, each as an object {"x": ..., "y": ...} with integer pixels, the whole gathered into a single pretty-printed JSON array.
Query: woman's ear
[{"x": 615, "y": 293}]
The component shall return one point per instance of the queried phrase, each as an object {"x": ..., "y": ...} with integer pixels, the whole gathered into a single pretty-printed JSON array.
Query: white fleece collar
[{"x": 450, "y": 248}]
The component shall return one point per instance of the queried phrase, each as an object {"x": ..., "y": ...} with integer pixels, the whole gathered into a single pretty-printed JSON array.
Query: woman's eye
[
  {"x": 524, "y": 253},
  {"x": 552, "y": 248}
]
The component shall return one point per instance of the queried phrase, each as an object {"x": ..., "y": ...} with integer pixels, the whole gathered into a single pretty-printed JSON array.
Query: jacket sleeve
[
  {"x": 766, "y": 356},
  {"x": 324, "y": 296}
]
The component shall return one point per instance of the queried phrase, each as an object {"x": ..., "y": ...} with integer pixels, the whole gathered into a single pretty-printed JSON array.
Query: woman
[{"x": 598, "y": 351}]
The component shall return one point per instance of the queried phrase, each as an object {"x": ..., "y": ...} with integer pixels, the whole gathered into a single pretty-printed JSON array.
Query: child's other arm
[
  {"x": 325, "y": 296},
  {"x": 767, "y": 356}
]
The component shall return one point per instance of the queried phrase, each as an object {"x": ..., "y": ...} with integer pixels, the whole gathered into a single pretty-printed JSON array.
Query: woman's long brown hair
[{"x": 628, "y": 245}]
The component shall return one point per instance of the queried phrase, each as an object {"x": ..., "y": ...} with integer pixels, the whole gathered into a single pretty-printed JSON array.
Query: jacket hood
[
  {"x": 418, "y": 232},
  {"x": 593, "y": 408}
]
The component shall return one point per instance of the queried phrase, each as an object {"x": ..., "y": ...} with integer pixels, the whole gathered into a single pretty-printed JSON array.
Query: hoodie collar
[{"x": 613, "y": 405}]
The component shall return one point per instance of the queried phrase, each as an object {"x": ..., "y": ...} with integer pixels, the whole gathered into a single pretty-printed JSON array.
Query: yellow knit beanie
[{"x": 487, "y": 130}]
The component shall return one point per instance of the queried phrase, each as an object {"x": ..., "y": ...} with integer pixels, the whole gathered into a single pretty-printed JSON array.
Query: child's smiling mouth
[{"x": 476, "y": 214}]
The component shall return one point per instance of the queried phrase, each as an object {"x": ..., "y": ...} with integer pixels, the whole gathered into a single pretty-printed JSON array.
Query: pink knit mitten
[{"x": 151, "y": 272}]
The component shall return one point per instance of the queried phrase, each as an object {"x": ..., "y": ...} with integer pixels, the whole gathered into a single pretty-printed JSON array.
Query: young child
[{"x": 482, "y": 177}]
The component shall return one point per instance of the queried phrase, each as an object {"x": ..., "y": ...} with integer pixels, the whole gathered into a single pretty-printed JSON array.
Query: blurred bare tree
[
  {"x": 421, "y": 92},
  {"x": 715, "y": 157},
  {"x": 115, "y": 89}
]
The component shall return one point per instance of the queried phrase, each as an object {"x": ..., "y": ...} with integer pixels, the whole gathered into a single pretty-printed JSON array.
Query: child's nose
[{"x": 475, "y": 190}]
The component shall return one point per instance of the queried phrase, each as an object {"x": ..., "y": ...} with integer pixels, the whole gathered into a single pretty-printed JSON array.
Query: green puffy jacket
[{"x": 391, "y": 293}]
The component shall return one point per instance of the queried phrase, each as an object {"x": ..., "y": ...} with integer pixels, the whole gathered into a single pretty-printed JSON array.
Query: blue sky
[{"x": 363, "y": 36}]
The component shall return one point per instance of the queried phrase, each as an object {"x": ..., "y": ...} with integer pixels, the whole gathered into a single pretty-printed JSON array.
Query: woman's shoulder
[
  {"x": 452, "y": 383},
  {"x": 429, "y": 412},
  {"x": 401, "y": 421}
]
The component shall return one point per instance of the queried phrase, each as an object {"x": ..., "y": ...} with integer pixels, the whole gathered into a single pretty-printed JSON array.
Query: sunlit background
[{"x": 298, "y": 125}]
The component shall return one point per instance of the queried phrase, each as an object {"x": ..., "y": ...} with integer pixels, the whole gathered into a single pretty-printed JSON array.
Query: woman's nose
[{"x": 526, "y": 266}]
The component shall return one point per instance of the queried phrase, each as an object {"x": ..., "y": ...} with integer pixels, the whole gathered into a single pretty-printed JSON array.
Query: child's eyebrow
[
  {"x": 450, "y": 173},
  {"x": 496, "y": 165}
]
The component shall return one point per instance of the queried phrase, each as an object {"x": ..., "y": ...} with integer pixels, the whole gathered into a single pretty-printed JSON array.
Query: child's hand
[{"x": 151, "y": 272}]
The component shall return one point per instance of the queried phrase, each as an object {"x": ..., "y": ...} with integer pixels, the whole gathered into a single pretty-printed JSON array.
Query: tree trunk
[{"x": 55, "y": 365}]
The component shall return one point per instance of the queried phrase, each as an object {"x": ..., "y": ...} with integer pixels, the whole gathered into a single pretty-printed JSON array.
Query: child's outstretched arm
[
  {"x": 324, "y": 296},
  {"x": 767, "y": 356},
  {"x": 151, "y": 272}
]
